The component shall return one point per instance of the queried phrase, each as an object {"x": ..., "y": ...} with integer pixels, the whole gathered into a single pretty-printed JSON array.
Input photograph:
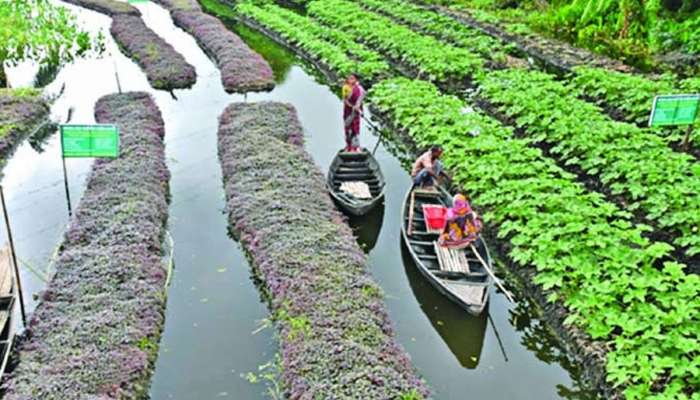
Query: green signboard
[
  {"x": 137, "y": 1},
  {"x": 90, "y": 141},
  {"x": 674, "y": 110}
]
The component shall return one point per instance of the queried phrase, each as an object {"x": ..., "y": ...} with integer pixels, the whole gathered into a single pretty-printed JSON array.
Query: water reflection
[
  {"x": 367, "y": 227},
  {"x": 462, "y": 332}
]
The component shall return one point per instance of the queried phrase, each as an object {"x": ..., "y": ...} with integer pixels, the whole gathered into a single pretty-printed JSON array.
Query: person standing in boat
[
  {"x": 428, "y": 169},
  {"x": 352, "y": 112},
  {"x": 463, "y": 224}
]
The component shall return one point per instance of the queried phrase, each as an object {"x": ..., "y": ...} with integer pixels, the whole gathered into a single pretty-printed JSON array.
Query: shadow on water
[
  {"x": 462, "y": 332},
  {"x": 368, "y": 227}
]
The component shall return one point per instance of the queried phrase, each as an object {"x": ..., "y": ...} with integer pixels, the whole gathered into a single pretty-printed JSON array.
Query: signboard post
[
  {"x": 80, "y": 141},
  {"x": 673, "y": 110}
]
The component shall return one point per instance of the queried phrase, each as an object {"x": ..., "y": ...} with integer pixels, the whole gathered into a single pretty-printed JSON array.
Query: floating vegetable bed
[
  {"x": 109, "y": 7},
  {"x": 96, "y": 329},
  {"x": 242, "y": 69},
  {"x": 22, "y": 112},
  {"x": 336, "y": 338},
  {"x": 625, "y": 302},
  {"x": 165, "y": 68}
]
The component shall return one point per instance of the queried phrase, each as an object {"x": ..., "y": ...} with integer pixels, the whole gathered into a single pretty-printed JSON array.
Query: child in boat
[{"x": 463, "y": 224}]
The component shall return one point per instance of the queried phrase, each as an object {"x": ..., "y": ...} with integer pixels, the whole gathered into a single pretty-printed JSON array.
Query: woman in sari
[
  {"x": 463, "y": 224},
  {"x": 352, "y": 111}
]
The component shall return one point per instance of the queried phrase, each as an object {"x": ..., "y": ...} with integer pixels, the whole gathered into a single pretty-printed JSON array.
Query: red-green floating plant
[
  {"x": 21, "y": 112},
  {"x": 336, "y": 338},
  {"x": 96, "y": 329}
]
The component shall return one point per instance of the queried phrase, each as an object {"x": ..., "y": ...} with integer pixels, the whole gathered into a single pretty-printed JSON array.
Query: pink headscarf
[{"x": 460, "y": 206}]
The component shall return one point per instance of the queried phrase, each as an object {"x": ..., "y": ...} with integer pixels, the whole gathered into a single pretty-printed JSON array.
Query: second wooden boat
[
  {"x": 356, "y": 170},
  {"x": 464, "y": 281}
]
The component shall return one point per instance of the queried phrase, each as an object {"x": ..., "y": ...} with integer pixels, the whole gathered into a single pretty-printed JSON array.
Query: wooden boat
[
  {"x": 351, "y": 167},
  {"x": 7, "y": 303},
  {"x": 467, "y": 285}
]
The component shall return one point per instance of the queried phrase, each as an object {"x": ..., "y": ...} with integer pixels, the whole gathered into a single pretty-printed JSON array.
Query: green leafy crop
[{"x": 586, "y": 251}]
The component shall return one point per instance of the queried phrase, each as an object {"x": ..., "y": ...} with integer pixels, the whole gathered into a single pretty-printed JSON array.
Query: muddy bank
[
  {"x": 96, "y": 329},
  {"x": 336, "y": 338}
]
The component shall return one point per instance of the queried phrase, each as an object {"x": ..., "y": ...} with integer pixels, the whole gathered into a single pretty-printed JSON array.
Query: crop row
[
  {"x": 165, "y": 68},
  {"x": 321, "y": 42},
  {"x": 96, "y": 329},
  {"x": 586, "y": 251},
  {"x": 441, "y": 26},
  {"x": 21, "y": 112},
  {"x": 336, "y": 338},
  {"x": 653, "y": 179},
  {"x": 242, "y": 69},
  {"x": 427, "y": 57},
  {"x": 629, "y": 94}
]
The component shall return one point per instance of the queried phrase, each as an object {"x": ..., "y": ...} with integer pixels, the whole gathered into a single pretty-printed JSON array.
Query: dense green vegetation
[
  {"x": 635, "y": 31},
  {"x": 40, "y": 31},
  {"x": 585, "y": 250},
  {"x": 325, "y": 43}
]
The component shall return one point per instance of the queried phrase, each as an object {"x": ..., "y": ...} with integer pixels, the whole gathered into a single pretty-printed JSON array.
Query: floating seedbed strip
[
  {"x": 242, "y": 69},
  {"x": 22, "y": 112},
  {"x": 586, "y": 254},
  {"x": 165, "y": 68},
  {"x": 96, "y": 329},
  {"x": 320, "y": 41},
  {"x": 336, "y": 338}
]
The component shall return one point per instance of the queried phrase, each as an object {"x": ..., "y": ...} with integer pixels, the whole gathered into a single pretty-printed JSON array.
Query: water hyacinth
[
  {"x": 242, "y": 69},
  {"x": 109, "y": 7},
  {"x": 21, "y": 112},
  {"x": 336, "y": 338},
  {"x": 95, "y": 332},
  {"x": 165, "y": 68}
]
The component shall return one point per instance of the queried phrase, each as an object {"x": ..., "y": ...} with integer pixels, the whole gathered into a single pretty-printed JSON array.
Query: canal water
[{"x": 216, "y": 332}]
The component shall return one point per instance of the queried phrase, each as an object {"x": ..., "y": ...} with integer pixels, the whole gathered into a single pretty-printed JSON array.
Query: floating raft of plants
[
  {"x": 109, "y": 7},
  {"x": 22, "y": 112},
  {"x": 242, "y": 69},
  {"x": 96, "y": 329},
  {"x": 165, "y": 68},
  {"x": 336, "y": 338}
]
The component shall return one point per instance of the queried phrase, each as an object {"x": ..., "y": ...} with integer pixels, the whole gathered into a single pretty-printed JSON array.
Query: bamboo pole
[
  {"x": 410, "y": 212},
  {"x": 509, "y": 296}
]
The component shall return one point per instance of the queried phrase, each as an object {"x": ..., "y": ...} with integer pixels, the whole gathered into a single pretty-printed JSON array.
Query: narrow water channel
[{"x": 211, "y": 336}]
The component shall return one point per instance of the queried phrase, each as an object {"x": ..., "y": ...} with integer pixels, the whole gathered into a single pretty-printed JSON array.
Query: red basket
[{"x": 435, "y": 217}]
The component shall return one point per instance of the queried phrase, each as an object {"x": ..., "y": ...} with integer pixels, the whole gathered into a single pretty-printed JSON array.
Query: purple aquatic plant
[
  {"x": 336, "y": 338},
  {"x": 95, "y": 331},
  {"x": 242, "y": 69},
  {"x": 165, "y": 68},
  {"x": 20, "y": 115}
]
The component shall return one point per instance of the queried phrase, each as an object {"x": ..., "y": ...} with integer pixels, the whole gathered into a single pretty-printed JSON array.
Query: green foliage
[
  {"x": 40, "y": 31},
  {"x": 619, "y": 154},
  {"x": 427, "y": 56},
  {"x": 585, "y": 249},
  {"x": 331, "y": 46},
  {"x": 440, "y": 26}
]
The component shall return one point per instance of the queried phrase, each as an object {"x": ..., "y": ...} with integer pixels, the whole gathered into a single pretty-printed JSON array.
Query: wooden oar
[
  {"x": 509, "y": 296},
  {"x": 410, "y": 212}
]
